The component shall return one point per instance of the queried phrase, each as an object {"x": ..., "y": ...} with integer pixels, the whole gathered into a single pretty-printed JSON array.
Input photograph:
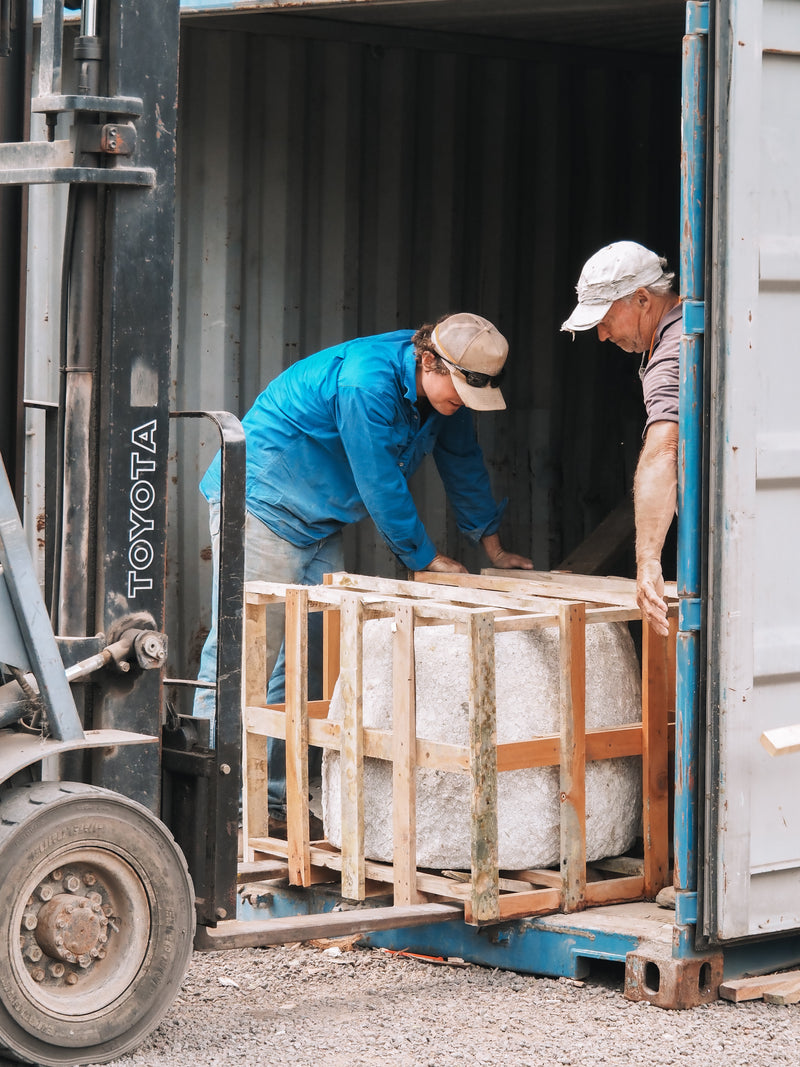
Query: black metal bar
[
  {"x": 140, "y": 48},
  {"x": 217, "y": 897}
]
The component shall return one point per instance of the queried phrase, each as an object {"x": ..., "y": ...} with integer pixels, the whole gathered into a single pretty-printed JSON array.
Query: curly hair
[{"x": 423, "y": 344}]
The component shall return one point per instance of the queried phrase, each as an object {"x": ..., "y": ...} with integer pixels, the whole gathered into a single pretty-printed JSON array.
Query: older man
[{"x": 626, "y": 292}]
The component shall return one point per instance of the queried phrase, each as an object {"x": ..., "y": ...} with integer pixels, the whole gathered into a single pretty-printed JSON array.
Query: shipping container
[{"x": 346, "y": 168}]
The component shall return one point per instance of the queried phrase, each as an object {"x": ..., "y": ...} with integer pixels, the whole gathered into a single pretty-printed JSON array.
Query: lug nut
[
  {"x": 95, "y": 898},
  {"x": 45, "y": 892},
  {"x": 57, "y": 875},
  {"x": 37, "y": 975},
  {"x": 71, "y": 978},
  {"x": 72, "y": 883},
  {"x": 30, "y": 921},
  {"x": 56, "y": 970},
  {"x": 34, "y": 953},
  {"x": 89, "y": 879},
  {"x": 84, "y": 960}
]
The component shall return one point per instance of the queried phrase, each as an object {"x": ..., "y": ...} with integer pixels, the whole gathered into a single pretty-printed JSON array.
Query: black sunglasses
[{"x": 477, "y": 379}]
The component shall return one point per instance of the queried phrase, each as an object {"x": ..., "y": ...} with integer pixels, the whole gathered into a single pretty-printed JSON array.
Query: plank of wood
[
  {"x": 331, "y": 630},
  {"x": 279, "y": 931},
  {"x": 785, "y": 994},
  {"x": 297, "y": 736},
  {"x": 351, "y": 763},
  {"x": 254, "y": 749},
  {"x": 753, "y": 988},
  {"x": 483, "y": 768},
  {"x": 572, "y": 752},
  {"x": 597, "y": 551},
  {"x": 655, "y": 760},
  {"x": 518, "y": 906},
  {"x": 404, "y": 747},
  {"x": 782, "y": 740}
]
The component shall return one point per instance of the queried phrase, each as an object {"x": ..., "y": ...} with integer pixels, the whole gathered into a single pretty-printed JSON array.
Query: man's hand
[
  {"x": 501, "y": 559},
  {"x": 446, "y": 565},
  {"x": 650, "y": 595}
]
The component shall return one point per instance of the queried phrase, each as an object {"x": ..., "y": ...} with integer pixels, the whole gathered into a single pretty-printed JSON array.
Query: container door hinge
[
  {"x": 697, "y": 17},
  {"x": 689, "y": 614},
  {"x": 694, "y": 317},
  {"x": 685, "y": 908}
]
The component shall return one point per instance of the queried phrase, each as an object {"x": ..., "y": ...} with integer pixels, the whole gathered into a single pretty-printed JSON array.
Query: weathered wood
[
  {"x": 254, "y": 749},
  {"x": 781, "y": 740},
  {"x": 483, "y": 764},
  {"x": 655, "y": 761},
  {"x": 352, "y": 750},
  {"x": 597, "y": 551},
  {"x": 331, "y": 632},
  {"x": 404, "y": 746},
  {"x": 572, "y": 662},
  {"x": 255, "y": 934},
  {"x": 297, "y": 735},
  {"x": 517, "y": 906},
  {"x": 738, "y": 989}
]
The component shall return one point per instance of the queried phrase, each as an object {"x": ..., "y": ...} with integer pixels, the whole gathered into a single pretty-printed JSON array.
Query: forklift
[{"x": 99, "y": 908}]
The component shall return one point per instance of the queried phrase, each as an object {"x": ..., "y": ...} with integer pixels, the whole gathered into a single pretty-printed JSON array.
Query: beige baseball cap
[
  {"x": 475, "y": 353},
  {"x": 614, "y": 272}
]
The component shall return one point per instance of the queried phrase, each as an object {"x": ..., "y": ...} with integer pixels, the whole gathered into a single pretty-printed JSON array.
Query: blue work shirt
[{"x": 337, "y": 435}]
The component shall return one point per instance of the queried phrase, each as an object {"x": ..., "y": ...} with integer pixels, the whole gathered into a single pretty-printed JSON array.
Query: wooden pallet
[{"x": 478, "y": 606}]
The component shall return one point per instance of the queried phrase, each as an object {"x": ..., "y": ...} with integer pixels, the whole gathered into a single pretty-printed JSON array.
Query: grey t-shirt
[{"x": 661, "y": 373}]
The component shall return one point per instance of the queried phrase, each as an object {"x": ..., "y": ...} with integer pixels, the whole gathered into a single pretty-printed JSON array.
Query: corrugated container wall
[{"x": 339, "y": 180}]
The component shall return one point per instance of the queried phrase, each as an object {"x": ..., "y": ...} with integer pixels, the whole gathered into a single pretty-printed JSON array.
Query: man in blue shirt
[{"x": 336, "y": 437}]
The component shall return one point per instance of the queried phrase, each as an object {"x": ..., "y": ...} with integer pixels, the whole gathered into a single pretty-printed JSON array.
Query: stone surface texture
[{"x": 527, "y": 700}]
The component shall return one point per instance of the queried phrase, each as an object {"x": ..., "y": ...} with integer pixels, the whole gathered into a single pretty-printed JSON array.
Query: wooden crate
[{"x": 478, "y": 606}]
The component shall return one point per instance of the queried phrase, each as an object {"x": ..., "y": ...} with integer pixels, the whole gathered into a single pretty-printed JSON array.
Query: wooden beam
[
  {"x": 296, "y": 644},
  {"x": 254, "y": 748},
  {"x": 404, "y": 747},
  {"x": 596, "y": 553},
  {"x": 255, "y": 934},
  {"x": 781, "y": 740},
  {"x": 352, "y": 750},
  {"x": 738, "y": 989},
  {"x": 655, "y": 760},
  {"x": 572, "y": 661},
  {"x": 484, "y": 905}
]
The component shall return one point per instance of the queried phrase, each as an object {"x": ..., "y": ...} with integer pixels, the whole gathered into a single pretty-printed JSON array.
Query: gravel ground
[{"x": 331, "y": 1004}]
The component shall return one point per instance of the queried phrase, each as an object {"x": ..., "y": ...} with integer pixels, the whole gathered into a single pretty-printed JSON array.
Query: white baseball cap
[{"x": 614, "y": 272}]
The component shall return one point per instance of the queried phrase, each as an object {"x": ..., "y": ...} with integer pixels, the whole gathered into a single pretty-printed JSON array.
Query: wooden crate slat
[
  {"x": 484, "y": 906},
  {"x": 655, "y": 760},
  {"x": 352, "y": 748},
  {"x": 404, "y": 747},
  {"x": 297, "y": 735},
  {"x": 572, "y": 663},
  {"x": 254, "y": 749}
]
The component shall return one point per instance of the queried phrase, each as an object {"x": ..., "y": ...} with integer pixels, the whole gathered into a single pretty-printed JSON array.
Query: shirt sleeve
[
  {"x": 661, "y": 380},
  {"x": 461, "y": 467},
  {"x": 367, "y": 424}
]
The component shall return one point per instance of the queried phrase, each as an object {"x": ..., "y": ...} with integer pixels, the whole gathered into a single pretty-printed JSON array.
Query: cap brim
[
  {"x": 486, "y": 399},
  {"x": 585, "y": 316}
]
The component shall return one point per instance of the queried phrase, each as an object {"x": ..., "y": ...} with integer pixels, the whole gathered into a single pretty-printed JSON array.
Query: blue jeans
[{"x": 269, "y": 558}]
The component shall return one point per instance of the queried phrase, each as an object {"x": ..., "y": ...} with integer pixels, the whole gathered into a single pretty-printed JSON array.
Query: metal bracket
[
  {"x": 694, "y": 317},
  {"x": 689, "y": 614},
  {"x": 697, "y": 21}
]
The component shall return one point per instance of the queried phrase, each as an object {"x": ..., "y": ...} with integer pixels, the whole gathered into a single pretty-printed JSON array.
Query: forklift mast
[{"x": 93, "y": 878}]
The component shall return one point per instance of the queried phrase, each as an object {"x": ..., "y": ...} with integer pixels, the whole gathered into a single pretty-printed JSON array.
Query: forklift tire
[{"x": 97, "y": 923}]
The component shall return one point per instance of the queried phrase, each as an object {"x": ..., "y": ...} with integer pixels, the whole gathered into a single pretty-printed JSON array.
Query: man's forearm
[{"x": 655, "y": 489}]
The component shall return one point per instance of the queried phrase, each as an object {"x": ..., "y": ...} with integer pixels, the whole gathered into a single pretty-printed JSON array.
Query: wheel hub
[
  {"x": 65, "y": 929},
  {"x": 72, "y": 928}
]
